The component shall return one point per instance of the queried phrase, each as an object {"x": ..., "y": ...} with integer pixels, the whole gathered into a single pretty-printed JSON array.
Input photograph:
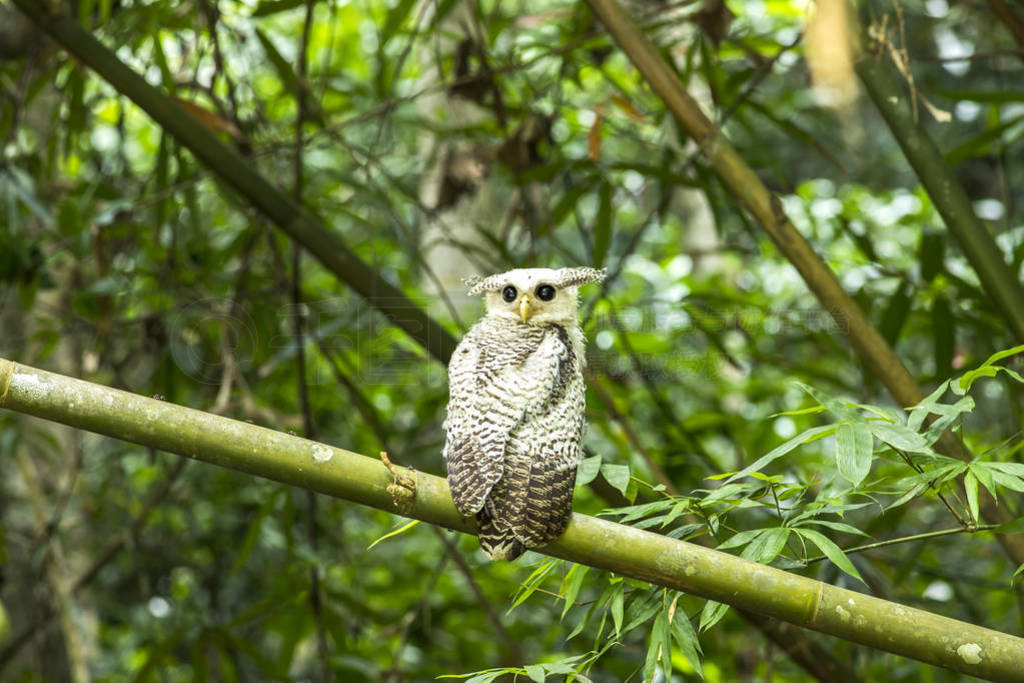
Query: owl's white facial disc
[{"x": 531, "y": 296}]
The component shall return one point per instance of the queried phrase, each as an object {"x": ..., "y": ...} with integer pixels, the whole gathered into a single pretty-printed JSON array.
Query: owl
[{"x": 515, "y": 412}]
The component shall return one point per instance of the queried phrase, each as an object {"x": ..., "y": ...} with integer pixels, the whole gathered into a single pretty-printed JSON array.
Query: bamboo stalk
[
  {"x": 665, "y": 561},
  {"x": 762, "y": 204},
  {"x": 945, "y": 191}
]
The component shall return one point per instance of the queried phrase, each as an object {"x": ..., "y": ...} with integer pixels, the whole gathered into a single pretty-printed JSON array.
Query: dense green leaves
[{"x": 122, "y": 262}]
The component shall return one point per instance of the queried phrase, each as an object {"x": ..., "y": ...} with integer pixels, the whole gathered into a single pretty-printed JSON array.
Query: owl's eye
[
  {"x": 509, "y": 293},
  {"x": 545, "y": 292}
]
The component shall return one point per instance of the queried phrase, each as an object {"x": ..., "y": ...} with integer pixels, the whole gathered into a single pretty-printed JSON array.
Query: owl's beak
[{"x": 524, "y": 308}]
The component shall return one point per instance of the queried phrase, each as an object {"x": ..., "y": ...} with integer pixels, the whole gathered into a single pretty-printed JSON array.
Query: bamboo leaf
[
  {"x": 269, "y": 7},
  {"x": 835, "y": 406},
  {"x": 281, "y": 66},
  {"x": 535, "y": 672},
  {"x": 738, "y": 539},
  {"x": 971, "y": 489},
  {"x": 616, "y": 475},
  {"x": 802, "y": 135},
  {"x": 779, "y": 451},
  {"x": 1014, "y": 468},
  {"x": 687, "y": 642},
  {"x": 949, "y": 415},
  {"x": 854, "y": 445},
  {"x": 659, "y": 648},
  {"x": 615, "y": 607},
  {"x": 588, "y": 470},
  {"x": 640, "y": 611},
  {"x": 253, "y": 531},
  {"x": 565, "y": 204},
  {"x": 401, "y": 530},
  {"x": 831, "y": 551},
  {"x": 533, "y": 582},
  {"x": 838, "y": 526},
  {"x": 926, "y": 407},
  {"x": 986, "y": 369},
  {"x": 766, "y": 546},
  {"x": 930, "y": 254},
  {"x": 900, "y": 437},
  {"x": 984, "y": 477},
  {"x": 1007, "y": 481},
  {"x": 571, "y": 585},
  {"x": 679, "y": 508},
  {"x": 982, "y": 143},
  {"x": 1015, "y": 526},
  {"x": 285, "y": 71},
  {"x": 983, "y": 96},
  {"x": 712, "y": 614}
]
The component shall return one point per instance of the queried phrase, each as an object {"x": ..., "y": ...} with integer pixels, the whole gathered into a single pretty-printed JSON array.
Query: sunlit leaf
[
  {"x": 899, "y": 436},
  {"x": 571, "y": 585},
  {"x": 616, "y": 475},
  {"x": 535, "y": 672},
  {"x": 686, "y": 640},
  {"x": 616, "y": 607},
  {"x": 854, "y": 447},
  {"x": 712, "y": 614},
  {"x": 766, "y": 545},
  {"x": 779, "y": 451},
  {"x": 831, "y": 551},
  {"x": 400, "y": 530},
  {"x": 986, "y": 369},
  {"x": 588, "y": 470}
]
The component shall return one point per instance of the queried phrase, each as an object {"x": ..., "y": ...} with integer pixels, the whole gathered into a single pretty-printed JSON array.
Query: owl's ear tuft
[
  {"x": 574, "y": 277},
  {"x": 479, "y": 285},
  {"x": 472, "y": 282}
]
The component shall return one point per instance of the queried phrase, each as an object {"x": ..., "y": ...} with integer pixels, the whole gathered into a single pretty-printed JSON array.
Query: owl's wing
[
  {"x": 534, "y": 499},
  {"x": 490, "y": 391}
]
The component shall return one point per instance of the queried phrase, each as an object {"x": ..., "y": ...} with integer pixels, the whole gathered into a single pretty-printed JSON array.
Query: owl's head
[{"x": 535, "y": 296}]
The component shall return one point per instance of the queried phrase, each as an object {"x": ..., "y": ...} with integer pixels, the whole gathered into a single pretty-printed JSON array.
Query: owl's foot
[{"x": 403, "y": 488}]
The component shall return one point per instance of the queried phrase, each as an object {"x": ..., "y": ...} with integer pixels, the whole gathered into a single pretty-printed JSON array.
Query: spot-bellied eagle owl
[{"x": 515, "y": 413}]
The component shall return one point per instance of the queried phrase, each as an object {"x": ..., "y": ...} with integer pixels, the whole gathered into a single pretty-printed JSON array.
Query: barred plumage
[{"x": 515, "y": 414}]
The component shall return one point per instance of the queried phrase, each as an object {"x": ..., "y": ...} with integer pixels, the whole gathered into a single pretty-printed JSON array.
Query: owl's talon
[{"x": 403, "y": 488}]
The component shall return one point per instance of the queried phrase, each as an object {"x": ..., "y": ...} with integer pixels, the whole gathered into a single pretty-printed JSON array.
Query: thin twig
[
  {"x": 909, "y": 539},
  {"x": 613, "y": 412},
  {"x": 514, "y": 653}
]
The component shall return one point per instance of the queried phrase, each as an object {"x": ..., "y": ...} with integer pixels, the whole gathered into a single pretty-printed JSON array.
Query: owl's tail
[{"x": 499, "y": 544}]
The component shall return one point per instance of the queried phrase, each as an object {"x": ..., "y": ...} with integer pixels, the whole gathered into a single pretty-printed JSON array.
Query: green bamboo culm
[
  {"x": 945, "y": 191},
  {"x": 889, "y": 626}
]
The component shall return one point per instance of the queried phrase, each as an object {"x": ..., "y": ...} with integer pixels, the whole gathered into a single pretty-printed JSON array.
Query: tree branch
[{"x": 598, "y": 543}]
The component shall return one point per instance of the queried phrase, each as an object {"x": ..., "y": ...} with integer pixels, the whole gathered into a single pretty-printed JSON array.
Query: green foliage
[{"x": 122, "y": 260}]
